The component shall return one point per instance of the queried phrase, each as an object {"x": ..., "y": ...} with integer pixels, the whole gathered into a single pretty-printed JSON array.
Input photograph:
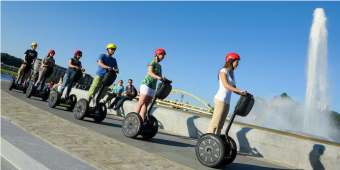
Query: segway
[
  {"x": 133, "y": 124},
  {"x": 213, "y": 150},
  {"x": 17, "y": 86},
  {"x": 70, "y": 100},
  {"x": 44, "y": 93},
  {"x": 82, "y": 109}
]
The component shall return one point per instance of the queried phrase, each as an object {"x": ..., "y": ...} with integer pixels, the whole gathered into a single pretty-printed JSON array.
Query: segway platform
[
  {"x": 17, "y": 86},
  {"x": 215, "y": 151},
  {"x": 82, "y": 109},
  {"x": 70, "y": 100},
  {"x": 133, "y": 124},
  {"x": 42, "y": 93}
]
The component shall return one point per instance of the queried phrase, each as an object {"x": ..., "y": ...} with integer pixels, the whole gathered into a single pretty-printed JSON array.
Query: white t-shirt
[{"x": 223, "y": 93}]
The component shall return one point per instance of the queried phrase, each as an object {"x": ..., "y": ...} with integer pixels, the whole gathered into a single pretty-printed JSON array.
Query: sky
[{"x": 271, "y": 38}]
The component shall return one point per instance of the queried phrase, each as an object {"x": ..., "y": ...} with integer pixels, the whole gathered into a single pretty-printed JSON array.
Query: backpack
[{"x": 136, "y": 93}]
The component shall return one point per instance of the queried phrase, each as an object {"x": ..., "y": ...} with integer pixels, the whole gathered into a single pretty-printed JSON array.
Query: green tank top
[{"x": 150, "y": 81}]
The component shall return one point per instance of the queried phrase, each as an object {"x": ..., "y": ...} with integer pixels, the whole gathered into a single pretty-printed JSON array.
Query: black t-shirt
[{"x": 30, "y": 55}]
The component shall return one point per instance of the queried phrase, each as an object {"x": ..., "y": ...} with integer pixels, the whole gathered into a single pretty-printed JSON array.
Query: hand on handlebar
[
  {"x": 83, "y": 69},
  {"x": 109, "y": 68},
  {"x": 77, "y": 68},
  {"x": 242, "y": 92}
]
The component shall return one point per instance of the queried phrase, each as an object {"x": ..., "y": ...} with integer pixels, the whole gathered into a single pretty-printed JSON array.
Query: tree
[
  {"x": 51, "y": 79},
  {"x": 285, "y": 95},
  {"x": 212, "y": 108},
  {"x": 335, "y": 116},
  {"x": 11, "y": 60}
]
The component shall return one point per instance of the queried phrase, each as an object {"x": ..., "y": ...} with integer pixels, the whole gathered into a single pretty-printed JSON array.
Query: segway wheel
[
  {"x": 46, "y": 94},
  {"x": 150, "y": 129},
  {"x": 231, "y": 152},
  {"x": 81, "y": 109},
  {"x": 103, "y": 113},
  {"x": 53, "y": 99},
  {"x": 132, "y": 125},
  {"x": 73, "y": 102},
  {"x": 210, "y": 150},
  {"x": 11, "y": 83},
  {"x": 30, "y": 91}
]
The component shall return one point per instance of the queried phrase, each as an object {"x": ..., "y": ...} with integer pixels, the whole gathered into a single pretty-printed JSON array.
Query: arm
[
  {"x": 226, "y": 84},
  {"x": 237, "y": 92},
  {"x": 70, "y": 64},
  {"x": 26, "y": 52},
  {"x": 43, "y": 63},
  {"x": 25, "y": 58},
  {"x": 150, "y": 72},
  {"x": 81, "y": 67}
]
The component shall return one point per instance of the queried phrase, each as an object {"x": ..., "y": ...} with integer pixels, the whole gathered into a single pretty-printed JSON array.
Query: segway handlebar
[
  {"x": 166, "y": 81},
  {"x": 248, "y": 94}
]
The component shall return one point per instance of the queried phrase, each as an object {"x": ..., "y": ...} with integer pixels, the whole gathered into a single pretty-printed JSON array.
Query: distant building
[{"x": 58, "y": 72}]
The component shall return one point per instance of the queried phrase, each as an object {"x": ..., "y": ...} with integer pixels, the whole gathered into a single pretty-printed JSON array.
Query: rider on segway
[
  {"x": 25, "y": 69},
  {"x": 105, "y": 63},
  {"x": 45, "y": 71},
  {"x": 141, "y": 122},
  {"x": 222, "y": 98},
  {"x": 47, "y": 63},
  {"x": 29, "y": 59},
  {"x": 212, "y": 148},
  {"x": 148, "y": 86},
  {"x": 72, "y": 75},
  {"x": 105, "y": 76}
]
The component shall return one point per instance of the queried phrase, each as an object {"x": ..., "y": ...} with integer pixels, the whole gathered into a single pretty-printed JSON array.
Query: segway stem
[
  {"x": 99, "y": 94},
  {"x": 150, "y": 108},
  {"x": 166, "y": 81},
  {"x": 229, "y": 124}
]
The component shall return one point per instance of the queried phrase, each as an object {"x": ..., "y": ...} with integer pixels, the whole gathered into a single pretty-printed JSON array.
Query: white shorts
[{"x": 144, "y": 89}]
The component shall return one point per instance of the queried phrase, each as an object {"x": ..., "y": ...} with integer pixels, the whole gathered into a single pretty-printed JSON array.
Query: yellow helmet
[
  {"x": 111, "y": 46},
  {"x": 34, "y": 44}
]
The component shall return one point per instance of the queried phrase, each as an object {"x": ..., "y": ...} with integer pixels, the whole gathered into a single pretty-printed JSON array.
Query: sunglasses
[{"x": 113, "y": 49}]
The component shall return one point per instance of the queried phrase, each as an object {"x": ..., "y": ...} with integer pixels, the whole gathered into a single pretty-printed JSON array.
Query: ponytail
[{"x": 226, "y": 66}]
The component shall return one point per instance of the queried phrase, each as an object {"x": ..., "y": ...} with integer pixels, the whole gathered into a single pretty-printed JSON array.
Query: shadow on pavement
[
  {"x": 105, "y": 123},
  {"x": 167, "y": 142},
  {"x": 239, "y": 166}
]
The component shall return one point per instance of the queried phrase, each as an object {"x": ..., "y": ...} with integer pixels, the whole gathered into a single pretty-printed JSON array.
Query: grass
[{"x": 4, "y": 71}]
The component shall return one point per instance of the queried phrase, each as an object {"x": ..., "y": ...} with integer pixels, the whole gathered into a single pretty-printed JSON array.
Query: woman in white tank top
[{"x": 222, "y": 98}]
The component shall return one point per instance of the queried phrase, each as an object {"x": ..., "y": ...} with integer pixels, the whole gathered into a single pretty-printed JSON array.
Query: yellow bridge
[{"x": 184, "y": 106}]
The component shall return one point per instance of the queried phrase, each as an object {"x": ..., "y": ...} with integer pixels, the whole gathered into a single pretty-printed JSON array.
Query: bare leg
[
  {"x": 145, "y": 106},
  {"x": 140, "y": 103}
]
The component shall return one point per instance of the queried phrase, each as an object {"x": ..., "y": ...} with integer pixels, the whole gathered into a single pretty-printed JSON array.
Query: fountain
[
  {"x": 312, "y": 120},
  {"x": 317, "y": 82}
]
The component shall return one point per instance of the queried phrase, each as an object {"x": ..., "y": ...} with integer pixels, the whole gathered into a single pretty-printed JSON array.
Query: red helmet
[
  {"x": 232, "y": 56},
  {"x": 159, "y": 51},
  {"x": 78, "y": 51},
  {"x": 51, "y": 51}
]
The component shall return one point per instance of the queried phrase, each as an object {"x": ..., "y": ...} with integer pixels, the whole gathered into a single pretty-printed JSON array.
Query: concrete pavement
[{"x": 63, "y": 134}]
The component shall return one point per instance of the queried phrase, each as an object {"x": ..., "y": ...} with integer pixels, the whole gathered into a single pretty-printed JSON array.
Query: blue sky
[{"x": 271, "y": 38}]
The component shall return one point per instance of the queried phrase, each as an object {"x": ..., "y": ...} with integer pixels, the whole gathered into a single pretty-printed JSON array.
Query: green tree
[
  {"x": 11, "y": 60},
  {"x": 335, "y": 116},
  {"x": 51, "y": 78},
  {"x": 285, "y": 95},
  {"x": 212, "y": 108}
]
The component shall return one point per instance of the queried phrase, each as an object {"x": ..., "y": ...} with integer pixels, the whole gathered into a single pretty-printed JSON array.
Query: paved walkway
[
  {"x": 94, "y": 148},
  {"x": 164, "y": 145}
]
